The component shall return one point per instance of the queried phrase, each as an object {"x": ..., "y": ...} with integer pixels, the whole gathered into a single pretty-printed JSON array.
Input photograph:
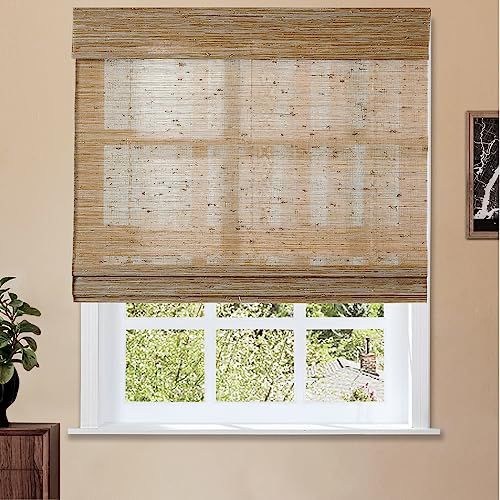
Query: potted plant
[{"x": 16, "y": 345}]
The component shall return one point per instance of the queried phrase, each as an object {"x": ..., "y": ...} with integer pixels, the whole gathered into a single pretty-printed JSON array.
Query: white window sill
[{"x": 251, "y": 429}]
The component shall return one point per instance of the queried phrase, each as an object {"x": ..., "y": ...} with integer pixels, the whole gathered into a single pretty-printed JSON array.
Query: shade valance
[
  {"x": 249, "y": 33},
  {"x": 253, "y": 165}
]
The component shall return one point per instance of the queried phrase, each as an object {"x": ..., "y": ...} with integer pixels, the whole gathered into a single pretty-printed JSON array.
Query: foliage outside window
[{"x": 251, "y": 364}]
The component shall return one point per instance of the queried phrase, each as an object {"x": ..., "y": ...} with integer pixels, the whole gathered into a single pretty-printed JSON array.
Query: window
[
  {"x": 247, "y": 183},
  {"x": 234, "y": 367}
]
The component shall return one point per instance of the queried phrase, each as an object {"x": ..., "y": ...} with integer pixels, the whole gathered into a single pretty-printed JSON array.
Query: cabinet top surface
[{"x": 16, "y": 428}]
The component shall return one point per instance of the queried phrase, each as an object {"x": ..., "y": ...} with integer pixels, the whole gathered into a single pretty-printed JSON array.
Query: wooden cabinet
[{"x": 29, "y": 461}]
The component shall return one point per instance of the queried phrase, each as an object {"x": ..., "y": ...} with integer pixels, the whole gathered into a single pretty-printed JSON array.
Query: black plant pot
[{"x": 8, "y": 394}]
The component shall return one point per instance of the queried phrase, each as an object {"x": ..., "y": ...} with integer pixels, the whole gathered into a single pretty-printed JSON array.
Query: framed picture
[{"x": 482, "y": 174}]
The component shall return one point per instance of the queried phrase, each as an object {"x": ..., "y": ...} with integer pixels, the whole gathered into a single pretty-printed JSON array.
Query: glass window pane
[
  {"x": 237, "y": 310},
  {"x": 254, "y": 365},
  {"x": 345, "y": 365},
  {"x": 164, "y": 365},
  {"x": 167, "y": 310},
  {"x": 345, "y": 310}
]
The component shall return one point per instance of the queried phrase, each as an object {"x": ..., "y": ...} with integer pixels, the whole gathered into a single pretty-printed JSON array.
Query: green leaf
[
  {"x": 31, "y": 343},
  {"x": 16, "y": 303},
  {"x": 13, "y": 297},
  {"x": 7, "y": 326},
  {"x": 29, "y": 359},
  {"x": 6, "y": 372},
  {"x": 27, "y": 309},
  {"x": 4, "y": 280},
  {"x": 4, "y": 339},
  {"x": 26, "y": 326}
]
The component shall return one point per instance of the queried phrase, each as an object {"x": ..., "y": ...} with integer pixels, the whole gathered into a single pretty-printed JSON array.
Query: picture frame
[{"x": 482, "y": 174}]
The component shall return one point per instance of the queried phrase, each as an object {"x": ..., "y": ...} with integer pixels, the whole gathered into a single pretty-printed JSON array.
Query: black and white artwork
[{"x": 483, "y": 174}]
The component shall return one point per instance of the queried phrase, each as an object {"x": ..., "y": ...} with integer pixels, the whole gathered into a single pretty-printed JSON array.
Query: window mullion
[
  {"x": 210, "y": 348},
  {"x": 299, "y": 348}
]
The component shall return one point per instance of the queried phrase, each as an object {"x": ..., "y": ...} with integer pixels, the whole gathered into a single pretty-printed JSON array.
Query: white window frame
[{"x": 102, "y": 380}]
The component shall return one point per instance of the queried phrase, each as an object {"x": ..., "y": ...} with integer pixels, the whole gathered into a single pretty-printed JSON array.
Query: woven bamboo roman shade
[{"x": 251, "y": 154}]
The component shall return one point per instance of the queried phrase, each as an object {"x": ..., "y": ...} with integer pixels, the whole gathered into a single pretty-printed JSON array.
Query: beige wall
[{"x": 36, "y": 179}]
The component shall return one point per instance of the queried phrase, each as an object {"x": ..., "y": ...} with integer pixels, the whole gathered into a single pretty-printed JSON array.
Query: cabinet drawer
[
  {"x": 21, "y": 484},
  {"x": 21, "y": 452}
]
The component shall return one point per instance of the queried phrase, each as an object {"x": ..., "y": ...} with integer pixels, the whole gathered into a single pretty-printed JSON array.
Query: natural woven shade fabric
[{"x": 249, "y": 178}]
